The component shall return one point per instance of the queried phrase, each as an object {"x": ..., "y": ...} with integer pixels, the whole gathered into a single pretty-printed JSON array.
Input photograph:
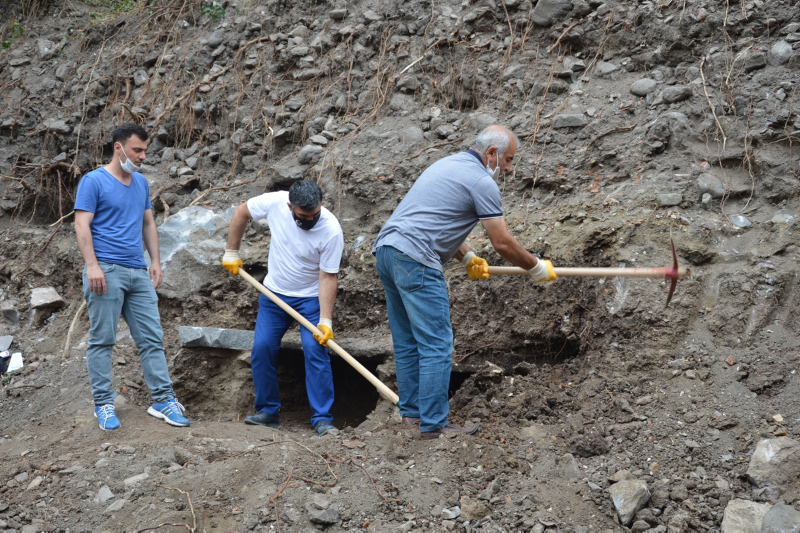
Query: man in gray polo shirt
[{"x": 426, "y": 230}]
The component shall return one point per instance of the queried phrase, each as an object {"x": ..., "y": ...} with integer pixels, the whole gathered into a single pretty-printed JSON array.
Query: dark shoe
[
  {"x": 410, "y": 421},
  {"x": 323, "y": 427},
  {"x": 451, "y": 429},
  {"x": 263, "y": 419}
]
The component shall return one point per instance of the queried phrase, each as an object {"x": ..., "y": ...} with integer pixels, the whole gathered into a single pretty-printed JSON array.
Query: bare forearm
[
  {"x": 85, "y": 243},
  {"x": 506, "y": 245},
  {"x": 241, "y": 217},
  {"x": 150, "y": 237},
  {"x": 327, "y": 294}
]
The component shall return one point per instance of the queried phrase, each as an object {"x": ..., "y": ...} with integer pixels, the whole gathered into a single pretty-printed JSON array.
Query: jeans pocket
[
  {"x": 106, "y": 267},
  {"x": 409, "y": 275}
]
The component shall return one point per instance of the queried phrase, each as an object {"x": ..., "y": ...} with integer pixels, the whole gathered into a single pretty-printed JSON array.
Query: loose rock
[
  {"x": 570, "y": 121},
  {"x": 780, "y": 53},
  {"x": 643, "y": 87},
  {"x": 676, "y": 93},
  {"x": 472, "y": 510},
  {"x": 548, "y": 11},
  {"x": 743, "y": 516},
  {"x": 327, "y": 516},
  {"x": 104, "y": 494},
  {"x": 629, "y": 496},
  {"x": 46, "y": 298},
  {"x": 309, "y": 153}
]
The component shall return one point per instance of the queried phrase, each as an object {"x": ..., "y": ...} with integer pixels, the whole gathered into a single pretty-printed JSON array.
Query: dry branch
[{"x": 608, "y": 132}]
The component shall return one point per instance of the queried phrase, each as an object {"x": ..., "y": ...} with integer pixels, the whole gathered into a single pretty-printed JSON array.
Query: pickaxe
[{"x": 672, "y": 273}]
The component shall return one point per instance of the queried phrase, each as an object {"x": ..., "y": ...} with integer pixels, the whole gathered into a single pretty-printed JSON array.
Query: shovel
[{"x": 378, "y": 384}]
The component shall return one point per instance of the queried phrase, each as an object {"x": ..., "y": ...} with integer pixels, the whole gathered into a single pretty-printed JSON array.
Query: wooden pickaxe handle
[
  {"x": 378, "y": 384},
  {"x": 568, "y": 272}
]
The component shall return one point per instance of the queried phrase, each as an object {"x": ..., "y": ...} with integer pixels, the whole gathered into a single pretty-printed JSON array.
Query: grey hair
[
  {"x": 305, "y": 194},
  {"x": 494, "y": 136}
]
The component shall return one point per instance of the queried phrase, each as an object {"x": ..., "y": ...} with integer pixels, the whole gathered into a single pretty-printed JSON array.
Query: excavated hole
[
  {"x": 354, "y": 396},
  {"x": 551, "y": 350},
  {"x": 217, "y": 385},
  {"x": 456, "y": 380}
]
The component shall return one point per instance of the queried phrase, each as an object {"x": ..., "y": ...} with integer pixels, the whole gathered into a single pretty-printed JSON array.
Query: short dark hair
[
  {"x": 305, "y": 194},
  {"x": 126, "y": 131}
]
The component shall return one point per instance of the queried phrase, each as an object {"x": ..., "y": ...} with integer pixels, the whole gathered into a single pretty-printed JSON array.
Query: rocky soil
[{"x": 600, "y": 409}]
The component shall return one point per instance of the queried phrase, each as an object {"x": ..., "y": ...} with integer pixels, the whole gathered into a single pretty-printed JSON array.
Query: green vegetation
[
  {"x": 17, "y": 31},
  {"x": 214, "y": 11}
]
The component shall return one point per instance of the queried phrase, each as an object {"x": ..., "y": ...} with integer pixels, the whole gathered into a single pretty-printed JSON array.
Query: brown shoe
[
  {"x": 410, "y": 421},
  {"x": 451, "y": 429}
]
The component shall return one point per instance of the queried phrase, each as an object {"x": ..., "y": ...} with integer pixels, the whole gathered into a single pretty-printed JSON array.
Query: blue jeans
[
  {"x": 419, "y": 316},
  {"x": 131, "y": 293},
  {"x": 271, "y": 325}
]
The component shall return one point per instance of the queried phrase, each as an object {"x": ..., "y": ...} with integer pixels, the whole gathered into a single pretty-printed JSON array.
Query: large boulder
[
  {"x": 775, "y": 463},
  {"x": 192, "y": 242},
  {"x": 744, "y": 516},
  {"x": 781, "y": 519}
]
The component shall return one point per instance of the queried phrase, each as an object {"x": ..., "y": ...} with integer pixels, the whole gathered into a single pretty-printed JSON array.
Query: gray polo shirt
[{"x": 440, "y": 210}]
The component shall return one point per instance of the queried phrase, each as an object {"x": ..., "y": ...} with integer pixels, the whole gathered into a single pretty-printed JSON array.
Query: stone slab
[
  {"x": 45, "y": 298},
  {"x": 229, "y": 339}
]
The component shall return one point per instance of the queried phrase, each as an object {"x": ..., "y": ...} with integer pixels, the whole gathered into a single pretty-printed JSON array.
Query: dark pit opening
[
  {"x": 354, "y": 396},
  {"x": 456, "y": 380},
  {"x": 217, "y": 384}
]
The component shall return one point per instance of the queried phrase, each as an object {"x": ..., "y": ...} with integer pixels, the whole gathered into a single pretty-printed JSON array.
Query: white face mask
[
  {"x": 128, "y": 165},
  {"x": 496, "y": 172}
]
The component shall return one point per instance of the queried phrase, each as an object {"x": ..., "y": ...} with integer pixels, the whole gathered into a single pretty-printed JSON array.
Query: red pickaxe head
[{"x": 672, "y": 273}]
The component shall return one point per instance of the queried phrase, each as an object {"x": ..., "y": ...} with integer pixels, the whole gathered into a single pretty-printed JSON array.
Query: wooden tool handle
[
  {"x": 594, "y": 272},
  {"x": 378, "y": 384}
]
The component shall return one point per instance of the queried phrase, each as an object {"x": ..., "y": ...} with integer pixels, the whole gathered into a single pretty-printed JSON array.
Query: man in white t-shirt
[{"x": 304, "y": 255}]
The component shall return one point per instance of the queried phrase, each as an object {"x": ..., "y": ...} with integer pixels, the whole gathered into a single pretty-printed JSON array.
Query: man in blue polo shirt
[
  {"x": 113, "y": 216},
  {"x": 426, "y": 230}
]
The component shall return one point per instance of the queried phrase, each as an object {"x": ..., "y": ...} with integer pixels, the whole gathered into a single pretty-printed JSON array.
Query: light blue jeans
[
  {"x": 130, "y": 292},
  {"x": 419, "y": 316}
]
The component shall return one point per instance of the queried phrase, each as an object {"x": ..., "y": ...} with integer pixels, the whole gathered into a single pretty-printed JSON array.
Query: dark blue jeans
[
  {"x": 271, "y": 325},
  {"x": 129, "y": 292},
  {"x": 419, "y": 316}
]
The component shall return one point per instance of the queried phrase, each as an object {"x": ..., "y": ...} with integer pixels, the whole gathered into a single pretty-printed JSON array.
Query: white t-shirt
[{"x": 296, "y": 255}]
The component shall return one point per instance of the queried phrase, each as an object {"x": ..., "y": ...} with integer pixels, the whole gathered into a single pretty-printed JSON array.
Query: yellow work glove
[
  {"x": 231, "y": 261},
  {"x": 543, "y": 271},
  {"x": 477, "y": 268},
  {"x": 325, "y": 325}
]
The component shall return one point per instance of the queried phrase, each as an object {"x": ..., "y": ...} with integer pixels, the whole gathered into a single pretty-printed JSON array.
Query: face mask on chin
[
  {"x": 128, "y": 165},
  {"x": 302, "y": 223}
]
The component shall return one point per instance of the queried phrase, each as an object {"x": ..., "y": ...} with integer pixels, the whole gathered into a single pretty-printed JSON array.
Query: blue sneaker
[
  {"x": 170, "y": 411},
  {"x": 106, "y": 416}
]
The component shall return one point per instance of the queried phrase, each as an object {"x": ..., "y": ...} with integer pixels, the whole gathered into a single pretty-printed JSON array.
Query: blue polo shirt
[{"x": 118, "y": 216}]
